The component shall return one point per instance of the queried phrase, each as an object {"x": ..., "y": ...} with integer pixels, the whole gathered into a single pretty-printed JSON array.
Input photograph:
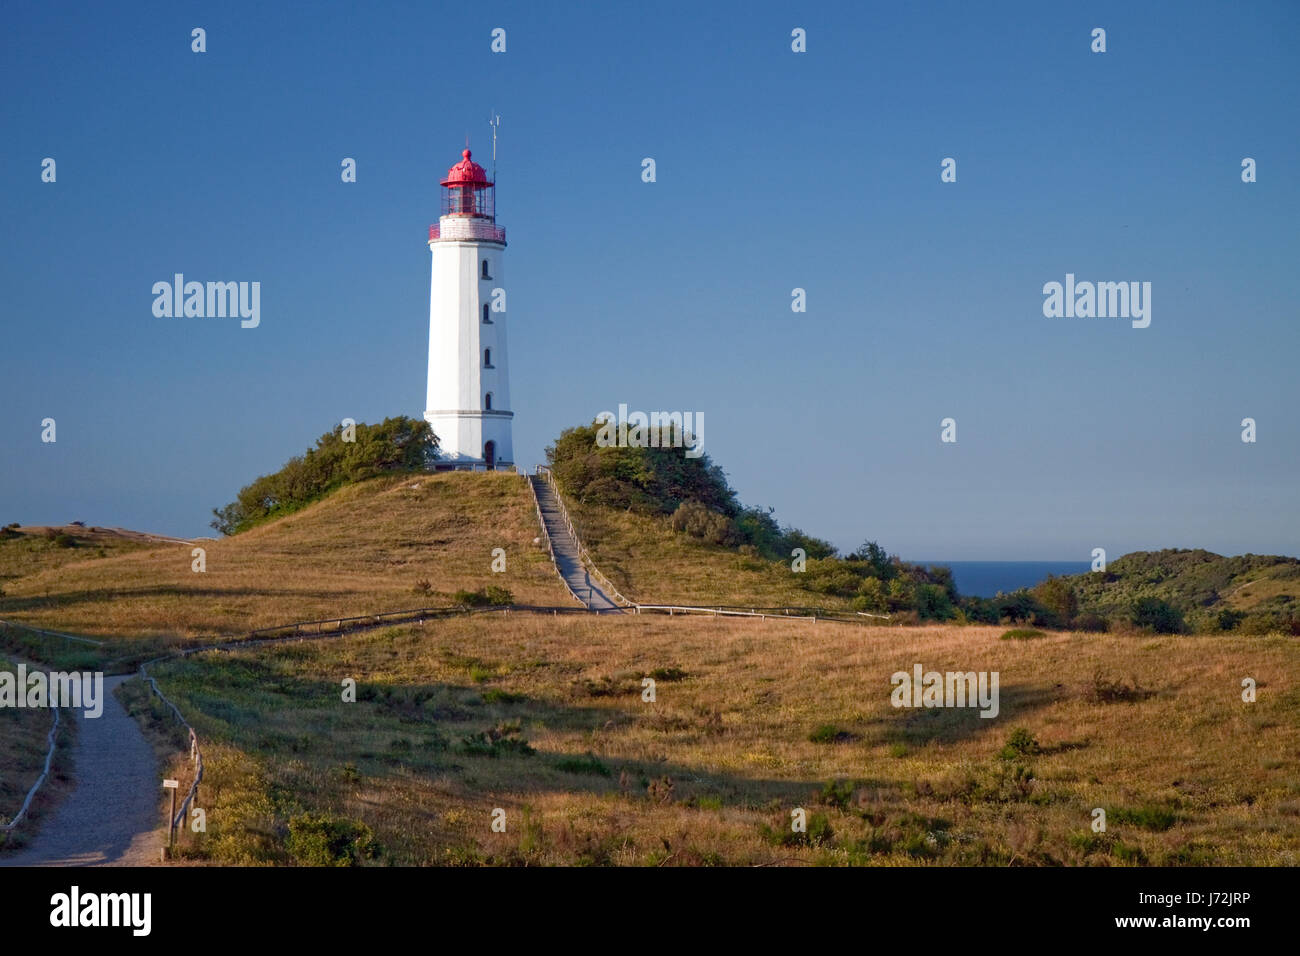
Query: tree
[
  {"x": 1018, "y": 607},
  {"x": 882, "y": 565},
  {"x": 1057, "y": 596},
  {"x": 900, "y": 595},
  {"x": 871, "y": 596},
  {"x": 932, "y": 603},
  {"x": 1153, "y": 614},
  {"x": 813, "y": 547}
]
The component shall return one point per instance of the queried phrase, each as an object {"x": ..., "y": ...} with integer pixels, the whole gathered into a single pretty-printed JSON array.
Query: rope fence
[
  {"x": 41, "y": 630},
  {"x": 31, "y": 794}
]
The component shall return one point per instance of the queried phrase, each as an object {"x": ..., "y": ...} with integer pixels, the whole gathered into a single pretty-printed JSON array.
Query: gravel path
[{"x": 113, "y": 815}]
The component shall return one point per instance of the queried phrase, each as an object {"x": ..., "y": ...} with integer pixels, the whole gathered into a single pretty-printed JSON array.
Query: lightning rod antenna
[{"x": 495, "y": 122}]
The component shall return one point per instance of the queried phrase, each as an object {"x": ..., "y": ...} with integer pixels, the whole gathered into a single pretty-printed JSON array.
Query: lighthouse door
[{"x": 490, "y": 455}]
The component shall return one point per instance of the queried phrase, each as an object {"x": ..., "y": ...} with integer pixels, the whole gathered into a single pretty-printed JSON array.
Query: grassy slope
[
  {"x": 652, "y": 564},
  {"x": 23, "y": 745},
  {"x": 22, "y": 751},
  {"x": 696, "y": 776},
  {"x": 360, "y": 550},
  {"x": 1191, "y": 579},
  {"x": 31, "y": 553}
]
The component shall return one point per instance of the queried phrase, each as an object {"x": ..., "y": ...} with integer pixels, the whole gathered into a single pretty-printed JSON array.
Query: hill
[
  {"x": 27, "y": 550},
  {"x": 380, "y": 544},
  {"x": 1251, "y": 593},
  {"x": 667, "y": 528}
]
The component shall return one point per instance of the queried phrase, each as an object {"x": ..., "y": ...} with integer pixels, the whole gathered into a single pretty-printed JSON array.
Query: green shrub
[
  {"x": 496, "y": 696},
  {"x": 1128, "y": 854},
  {"x": 1148, "y": 817},
  {"x": 981, "y": 610},
  {"x": 1103, "y": 690},
  {"x": 583, "y": 765},
  {"x": 669, "y": 674},
  {"x": 882, "y": 565},
  {"x": 819, "y": 833},
  {"x": 658, "y": 479},
  {"x": 398, "y": 444},
  {"x": 319, "y": 839},
  {"x": 871, "y": 596},
  {"x": 1057, "y": 596},
  {"x": 933, "y": 603},
  {"x": 919, "y": 845},
  {"x": 1022, "y": 634},
  {"x": 1021, "y": 743},
  {"x": 644, "y": 479},
  {"x": 712, "y": 527},
  {"x": 498, "y": 595},
  {"x": 496, "y": 741},
  {"x": 1190, "y": 854},
  {"x": 1156, "y": 615},
  {"x": 1087, "y": 842},
  {"x": 1228, "y": 619},
  {"x": 819, "y": 830},
  {"x": 814, "y": 548},
  {"x": 829, "y": 576},
  {"x": 1020, "y": 607},
  {"x": 1091, "y": 623},
  {"x": 829, "y": 734},
  {"x": 837, "y": 793},
  {"x": 490, "y": 596}
]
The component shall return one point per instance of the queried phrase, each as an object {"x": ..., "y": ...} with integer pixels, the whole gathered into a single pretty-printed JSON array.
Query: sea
[{"x": 987, "y": 578}]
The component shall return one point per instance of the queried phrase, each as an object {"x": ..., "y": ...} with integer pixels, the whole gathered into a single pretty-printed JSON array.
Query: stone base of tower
[{"x": 472, "y": 440}]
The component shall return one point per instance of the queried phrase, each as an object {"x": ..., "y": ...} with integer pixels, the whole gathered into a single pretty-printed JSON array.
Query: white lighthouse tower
[{"x": 468, "y": 401}]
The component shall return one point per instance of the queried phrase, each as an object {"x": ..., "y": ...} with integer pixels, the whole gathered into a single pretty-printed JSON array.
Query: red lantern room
[{"x": 468, "y": 191}]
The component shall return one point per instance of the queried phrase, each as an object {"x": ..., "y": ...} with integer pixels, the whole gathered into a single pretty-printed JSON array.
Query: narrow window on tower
[
  {"x": 487, "y": 358},
  {"x": 487, "y": 314},
  {"x": 485, "y": 270},
  {"x": 487, "y": 402}
]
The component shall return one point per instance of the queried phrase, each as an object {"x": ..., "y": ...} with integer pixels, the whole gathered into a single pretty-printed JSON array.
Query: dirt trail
[{"x": 113, "y": 815}]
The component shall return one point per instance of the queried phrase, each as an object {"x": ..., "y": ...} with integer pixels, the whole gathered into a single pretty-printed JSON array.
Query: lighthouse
[{"x": 468, "y": 401}]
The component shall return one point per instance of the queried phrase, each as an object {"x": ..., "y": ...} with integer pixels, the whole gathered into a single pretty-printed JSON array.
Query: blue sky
[{"x": 775, "y": 170}]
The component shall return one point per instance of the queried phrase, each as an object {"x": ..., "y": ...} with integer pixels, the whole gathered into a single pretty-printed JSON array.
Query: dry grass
[
  {"x": 23, "y": 746},
  {"x": 652, "y": 564},
  {"x": 30, "y": 551},
  {"x": 752, "y": 718},
  {"x": 361, "y": 550},
  {"x": 710, "y": 771}
]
